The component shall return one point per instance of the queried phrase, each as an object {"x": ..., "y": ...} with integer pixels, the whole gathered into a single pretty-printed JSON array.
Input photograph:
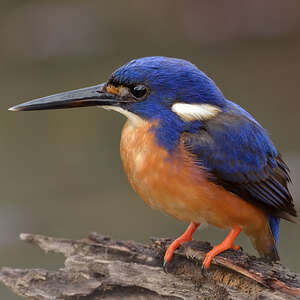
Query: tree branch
[{"x": 100, "y": 268}]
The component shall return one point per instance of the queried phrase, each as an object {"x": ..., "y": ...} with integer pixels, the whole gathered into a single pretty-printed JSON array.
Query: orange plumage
[{"x": 174, "y": 184}]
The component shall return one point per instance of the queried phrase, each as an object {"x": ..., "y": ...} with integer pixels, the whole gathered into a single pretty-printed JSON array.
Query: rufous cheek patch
[
  {"x": 117, "y": 90},
  {"x": 113, "y": 89}
]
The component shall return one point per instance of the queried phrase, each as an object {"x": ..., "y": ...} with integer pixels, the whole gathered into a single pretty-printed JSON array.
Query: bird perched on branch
[{"x": 190, "y": 152}]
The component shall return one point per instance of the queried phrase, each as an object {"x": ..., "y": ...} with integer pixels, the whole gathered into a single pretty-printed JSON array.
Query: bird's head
[{"x": 171, "y": 92}]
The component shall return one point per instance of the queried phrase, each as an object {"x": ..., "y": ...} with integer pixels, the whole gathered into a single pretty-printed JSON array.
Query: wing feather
[{"x": 240, "y": 156}]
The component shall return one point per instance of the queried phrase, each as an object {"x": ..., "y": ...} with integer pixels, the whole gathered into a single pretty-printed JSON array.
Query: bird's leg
[
  {"x": 225, "y": 245},
  {"x": 186, "y": 237}
]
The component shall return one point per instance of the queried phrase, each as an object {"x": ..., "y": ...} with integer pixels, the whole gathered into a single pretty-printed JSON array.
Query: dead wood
[{"x": 100, "y": 268}]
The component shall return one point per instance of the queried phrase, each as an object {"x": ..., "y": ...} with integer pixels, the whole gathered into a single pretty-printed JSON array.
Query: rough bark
[{"x": 100, "y": 268}]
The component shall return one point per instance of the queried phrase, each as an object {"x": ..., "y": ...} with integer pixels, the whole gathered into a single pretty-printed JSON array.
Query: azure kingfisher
[{"x": 190, "y": 152}]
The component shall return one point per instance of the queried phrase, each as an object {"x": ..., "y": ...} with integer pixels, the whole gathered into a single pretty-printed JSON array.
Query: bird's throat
[{"x": 134, "y": 119}]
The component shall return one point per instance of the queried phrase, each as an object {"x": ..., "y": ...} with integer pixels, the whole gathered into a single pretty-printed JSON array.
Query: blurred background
[{"x": 61, "y": 174}]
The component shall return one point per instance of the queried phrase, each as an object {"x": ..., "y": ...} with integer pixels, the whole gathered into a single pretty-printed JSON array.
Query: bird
[{"x": 191, "y": 153}]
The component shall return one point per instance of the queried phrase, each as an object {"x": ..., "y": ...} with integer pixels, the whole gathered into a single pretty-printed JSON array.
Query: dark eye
[{"x": 138, "y": 91}]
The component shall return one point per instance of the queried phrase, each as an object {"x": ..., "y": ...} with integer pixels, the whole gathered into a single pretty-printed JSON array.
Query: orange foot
[
  {"x": 186, "y": 237},
  {"x": 225, "y": 245}
]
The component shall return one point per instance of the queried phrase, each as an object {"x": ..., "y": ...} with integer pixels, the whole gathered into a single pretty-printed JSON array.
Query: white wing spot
[{"x": 192, "y": 112}]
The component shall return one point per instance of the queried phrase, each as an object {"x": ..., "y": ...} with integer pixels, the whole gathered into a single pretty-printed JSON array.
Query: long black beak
[{"x": 91, "y": 96}]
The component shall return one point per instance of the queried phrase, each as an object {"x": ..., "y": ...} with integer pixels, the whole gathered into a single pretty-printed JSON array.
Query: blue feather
[
  {"x": 240, "y": 156},
  {"x": 170, "y": 79},
  {"x": 236, "y": 147},
  {"x": 274, "y": 225},
  {"x": 233, "y": 147}
]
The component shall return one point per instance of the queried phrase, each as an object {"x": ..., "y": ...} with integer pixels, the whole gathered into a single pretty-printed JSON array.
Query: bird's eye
[{"x": 138, "y": 91}]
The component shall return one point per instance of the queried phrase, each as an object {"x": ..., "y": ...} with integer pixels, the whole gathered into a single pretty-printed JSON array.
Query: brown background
[{"x": 60, "y": 170}]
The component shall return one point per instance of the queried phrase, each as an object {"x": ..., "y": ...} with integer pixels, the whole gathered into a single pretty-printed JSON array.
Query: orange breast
[{"x": 177, "y": 186}]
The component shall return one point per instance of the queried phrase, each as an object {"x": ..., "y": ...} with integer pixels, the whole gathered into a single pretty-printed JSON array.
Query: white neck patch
[
  {"x": 192, "y": 112},
  {"x": 133, "y": 118}
]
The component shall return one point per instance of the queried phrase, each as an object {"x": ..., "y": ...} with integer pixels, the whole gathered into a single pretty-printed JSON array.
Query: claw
[
  {"x": 165, "y": 266},
  {"x": 204, "y": 271},
  {"x": 187, "y": 236}
]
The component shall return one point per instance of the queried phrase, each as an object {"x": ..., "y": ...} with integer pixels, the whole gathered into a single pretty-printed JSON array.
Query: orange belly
[{"x": 179, "y": 187}]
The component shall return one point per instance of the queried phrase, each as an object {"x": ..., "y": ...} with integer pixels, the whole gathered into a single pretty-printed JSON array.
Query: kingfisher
[{"x": 191, "y": 153}]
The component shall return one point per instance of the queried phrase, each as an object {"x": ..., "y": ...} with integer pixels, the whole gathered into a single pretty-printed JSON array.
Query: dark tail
[
  {"x": 274, "y": 226},
  {"x": 265, "y": 240}
]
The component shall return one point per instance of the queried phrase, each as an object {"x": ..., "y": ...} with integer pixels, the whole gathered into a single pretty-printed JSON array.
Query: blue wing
[{"x": 240, "y": 156}]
